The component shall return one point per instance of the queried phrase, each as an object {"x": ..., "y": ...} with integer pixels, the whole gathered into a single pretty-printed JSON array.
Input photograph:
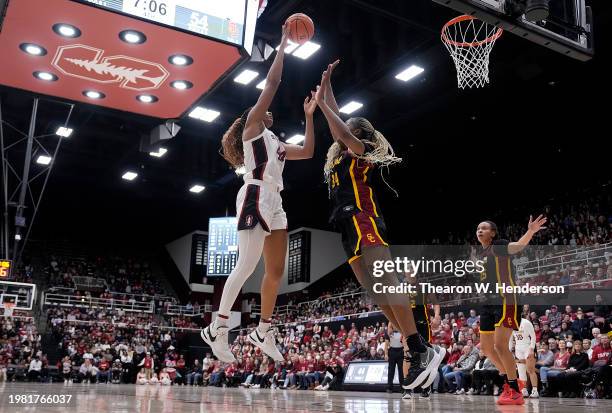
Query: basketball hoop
[{"x": 470, "y": 41}]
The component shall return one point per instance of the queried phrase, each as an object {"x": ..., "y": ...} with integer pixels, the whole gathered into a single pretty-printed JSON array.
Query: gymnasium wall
[{"x": 326, "y": 255}]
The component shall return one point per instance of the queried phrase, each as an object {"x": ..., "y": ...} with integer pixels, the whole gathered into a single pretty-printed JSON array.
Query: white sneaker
[
  {"x": 216, "y": 338},
  {"x": 256, "y": 386},
  {"x": 534, "y": 394},
  {"x": 407, "y": 395},
  {"x": 525, "y": 392},
  {"x": 319, "y": 387},
  {"x": 470, "y": 392},
  {"x": 460, "y": 391},
  {"x": 324, "y": 388},
  {"x": 440, "y": 353},
  {"x": 267, "y": 343}
]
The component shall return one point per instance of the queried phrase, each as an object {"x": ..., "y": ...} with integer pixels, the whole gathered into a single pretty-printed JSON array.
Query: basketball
[{"x": 301, "y": 28}]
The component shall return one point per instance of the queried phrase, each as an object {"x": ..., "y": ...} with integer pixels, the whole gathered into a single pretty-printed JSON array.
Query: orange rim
[{"x": 463, "y": 18}]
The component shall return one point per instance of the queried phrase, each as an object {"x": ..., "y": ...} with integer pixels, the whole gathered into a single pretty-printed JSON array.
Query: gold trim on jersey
[
  {"x": 376, "y": 231},
  {"x": 358, "y": 234},
  {"x": 513, "y": 295},
  {"x": 355, "y": 185},
  {"x": 352, "y": 259}
]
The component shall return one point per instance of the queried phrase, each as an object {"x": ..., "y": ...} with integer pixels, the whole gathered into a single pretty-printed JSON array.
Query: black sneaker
[
  {"x": 425, "y": 393},
  {"x": 422, "y": 365}
]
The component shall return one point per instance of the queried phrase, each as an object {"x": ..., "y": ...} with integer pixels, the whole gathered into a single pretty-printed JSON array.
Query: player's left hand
[
  {"x": 310, "y": 104},
  {"x": 538, "y": 224}
]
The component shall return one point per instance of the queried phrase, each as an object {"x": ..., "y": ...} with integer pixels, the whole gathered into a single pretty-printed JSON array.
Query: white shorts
[
  {"x": 262, "y": 204},
  {"x": 522, "y": 353}
]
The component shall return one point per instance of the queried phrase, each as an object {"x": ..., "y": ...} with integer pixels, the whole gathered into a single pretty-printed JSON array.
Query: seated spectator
[
  {"x": 116, "y": 371},
  {"x": 558, "y": 367},
  {"x": 180, "y": 370},
  {"x": 34, "y": 369},
  {"x": 568, "y": 382},
  {"x": 195, "y": 374},
  {"x": 484, "y": 376},
  {"x": 141, "y": 377},
  {"x": 546, "y": 358},
  {"x": 164, "y": 378},
  {"x": 217, "y": 375},
  {"x": 87, "y": 372},
  {"x": 464, "y": 366},
  {"x": 104, "y": 371}
]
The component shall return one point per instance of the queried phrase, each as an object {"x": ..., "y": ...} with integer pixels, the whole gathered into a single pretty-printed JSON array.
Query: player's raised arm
[
  {"x": 339, "y": 130},
  {"x": 254, "y": 122},
  {"x": 306, "y": 151},
  {"x": 532, "y": 228},
  {"x": 330, "y": 98}
]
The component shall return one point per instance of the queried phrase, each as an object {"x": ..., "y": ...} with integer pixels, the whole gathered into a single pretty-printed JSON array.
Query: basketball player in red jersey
[
  {"x": 500, "y": 318},
  {"x": 357, "y": 151},
  {"x": 262, "y": 223}
]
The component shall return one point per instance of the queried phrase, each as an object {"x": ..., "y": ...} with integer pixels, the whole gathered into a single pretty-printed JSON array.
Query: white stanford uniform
[
  {"x": 524, "y": 340},
  {"x": 259, "y": 200}
]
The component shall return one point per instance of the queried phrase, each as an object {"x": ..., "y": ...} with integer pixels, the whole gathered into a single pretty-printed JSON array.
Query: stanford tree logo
[{"x": 86, "y": 62}]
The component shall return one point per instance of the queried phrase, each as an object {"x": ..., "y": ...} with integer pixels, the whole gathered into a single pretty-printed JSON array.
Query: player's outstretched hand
[
  {"x": 331, "y": 67},
  {"x": 538, "y": 224},
  {"x": 310, "y": 104}
]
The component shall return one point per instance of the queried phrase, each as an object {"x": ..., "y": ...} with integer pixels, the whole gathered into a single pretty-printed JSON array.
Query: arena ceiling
[{"x": 537, "y": 132}]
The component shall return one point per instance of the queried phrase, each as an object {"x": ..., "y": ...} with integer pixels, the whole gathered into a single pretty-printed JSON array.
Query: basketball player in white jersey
[
  {"x": 262, "y": 223},
  {"x": 524, "y": 351}
]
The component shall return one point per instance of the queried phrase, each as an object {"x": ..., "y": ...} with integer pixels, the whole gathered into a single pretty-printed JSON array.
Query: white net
[{"x": 470, "y": 41}]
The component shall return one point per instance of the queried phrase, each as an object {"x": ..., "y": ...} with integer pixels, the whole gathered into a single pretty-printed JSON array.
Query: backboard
[
  {"x": 568, "y": 29},
  {"x": 22, "y": 296}
]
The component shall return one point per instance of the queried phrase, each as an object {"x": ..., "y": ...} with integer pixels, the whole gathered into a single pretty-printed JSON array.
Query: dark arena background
[{"x": 119, "y": 224}]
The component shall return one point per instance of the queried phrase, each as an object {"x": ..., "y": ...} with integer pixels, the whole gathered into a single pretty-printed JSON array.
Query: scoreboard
[
  {"x": 222, "y": 246},
  {"x": 5, "y": 268},
  {"x": 298, "y": 269},
  {"x": 231, "y": 21},
  {"x": 368, "y": 373}
]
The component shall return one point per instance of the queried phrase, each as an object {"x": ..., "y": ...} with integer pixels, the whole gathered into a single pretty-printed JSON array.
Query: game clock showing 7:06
[
  {"x": 5, "y": 268},
  {"x": 158, "y": 10}
]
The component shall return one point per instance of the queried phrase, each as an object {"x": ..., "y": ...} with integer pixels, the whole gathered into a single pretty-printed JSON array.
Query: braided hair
[
  {"x": 382, "y": 154},
  {"x": 231, "y": 143}
]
